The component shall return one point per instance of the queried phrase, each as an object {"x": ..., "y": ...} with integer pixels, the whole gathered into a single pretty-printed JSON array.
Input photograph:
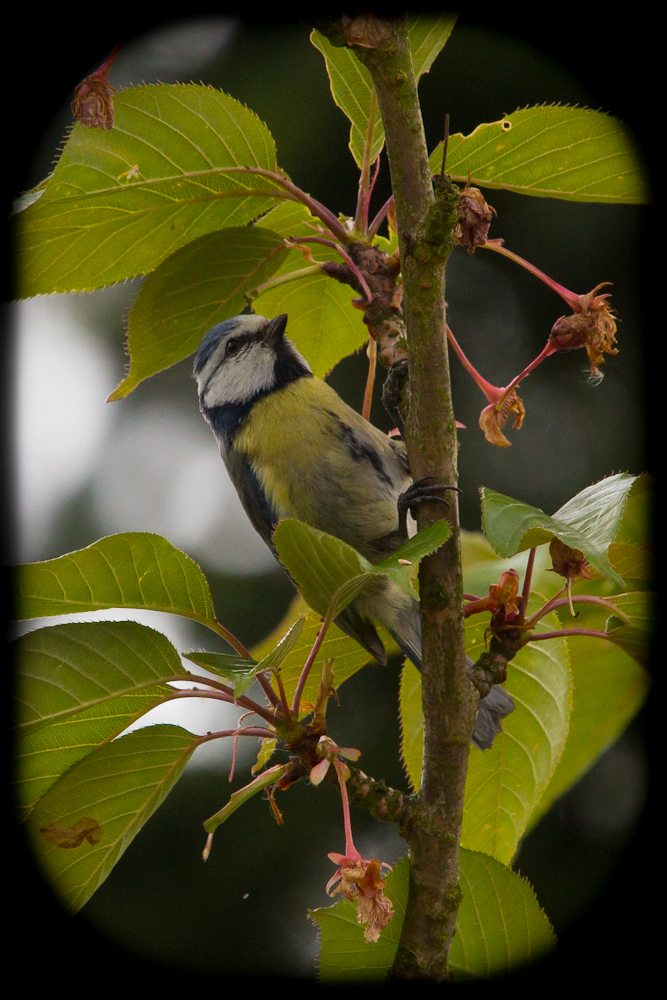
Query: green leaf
[
  {"x": 243, "y": 672},
  {"x": 631, "y": 562},
  {"x": 351, "y": 83},
  {"x": 348, "y": 654},
  {"x": 122, "y": 200},
  {"x": 239, "y": 797},
  {"x": 608, "y": 689},
  {"x": 41, "y": 757},
  {"x": 412, "y": 723},
  {"x": 322, "y": 323},
  {"x": 588, "y": 522},
  {"x": 352, "y": 90},
  {"x": 119, "y": 786},
  {"x": 330, "y": 573},
  {"x": 131, "y": 570},
  {"x": 195, "y": 288},
  {"x": 637, "y": 608},
  {"x": 67, "y": 668},
  {"x": 504, "y": 784},
  {"x": 636, "y": 642},
  {"x": 428, "y": 36},
  {"x": 500, "y": 927},
  {"x": 551, "y": 152}
]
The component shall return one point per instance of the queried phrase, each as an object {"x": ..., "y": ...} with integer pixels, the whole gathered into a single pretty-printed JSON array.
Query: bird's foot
[{"x": 416, "y": 494}]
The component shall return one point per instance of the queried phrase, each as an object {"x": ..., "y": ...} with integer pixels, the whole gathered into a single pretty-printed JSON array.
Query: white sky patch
[
  {"x": 163, "y": 472},
  {"x": 63, "y": 376}
]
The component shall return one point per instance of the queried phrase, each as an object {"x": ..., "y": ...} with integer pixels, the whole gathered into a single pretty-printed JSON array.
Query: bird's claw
[{"x": 418, "y": 493}]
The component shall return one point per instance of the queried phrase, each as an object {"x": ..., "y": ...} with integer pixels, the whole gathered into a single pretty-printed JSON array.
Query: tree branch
[{"x": 432, "y": 823}]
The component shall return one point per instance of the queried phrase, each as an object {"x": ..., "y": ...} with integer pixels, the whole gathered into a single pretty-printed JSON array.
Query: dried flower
[
  {"x": 474, "y": 218},
  {"x": 361, "y": 883},
  {"x": 568, "y": 562},
  {"x": 591, "y": 325},
  {"x": 492, "y": 419},
  {"x": 92, "y": 104}
]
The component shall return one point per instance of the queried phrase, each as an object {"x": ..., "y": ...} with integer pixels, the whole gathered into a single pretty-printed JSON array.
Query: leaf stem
[
  {"x": 312, "y": 204},
  {"x": 528, "y": 577},
  {"x": 246, "y": 731},
  {"x": 569, "y": 297},
  {"x": 561, "y": 602},
  {"x": 596, "y": 633},
  {"x": 309, "y": 662},
  {"x": 282, "y": 279},
  {"x": 377, "y": 221},
  {"x": 365, "y": 187}
]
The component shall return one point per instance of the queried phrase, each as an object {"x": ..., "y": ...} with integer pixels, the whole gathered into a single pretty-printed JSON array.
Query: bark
[{"x": 426, "y": 216}]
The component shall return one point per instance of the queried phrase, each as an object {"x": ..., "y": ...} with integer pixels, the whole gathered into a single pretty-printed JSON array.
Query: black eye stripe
[{"x": 240, "y": 343}]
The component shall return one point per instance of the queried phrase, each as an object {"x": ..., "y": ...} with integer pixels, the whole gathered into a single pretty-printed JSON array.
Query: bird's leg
[
  {"x": 393, "y": 389},
  {"x": 415, "y": 494}
]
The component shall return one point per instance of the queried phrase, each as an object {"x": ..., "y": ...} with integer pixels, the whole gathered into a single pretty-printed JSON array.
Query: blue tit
[{"x": 293, "y": 448}]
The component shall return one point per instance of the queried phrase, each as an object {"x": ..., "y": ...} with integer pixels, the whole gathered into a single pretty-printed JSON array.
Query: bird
[{"x": 293, "y": 448}]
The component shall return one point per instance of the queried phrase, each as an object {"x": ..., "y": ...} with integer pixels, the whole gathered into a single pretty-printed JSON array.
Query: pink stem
[
  {"x": 267, "y": 689},
  {"x": 355, "y": 270},
  {"x": 370, "y": 191},
  {"x": 490, "y": 391},
  {"x": 596, "y": 633},
  {"x": 315, "y": 206},
  {"x": 562, "y": 602},
  {"x": 308, "y": 664},
  {"x": 571, "y": 299},
  {"x": 377, "y": 221},
  {"x": 471, "y": 597},
  {"x": 527, "y": 580},
  {"x": 350, "y": 850},
  {"x": 346, "y": 257},
  {"x": 283, "y": 698},
  {"x": 548, "y": 350}
]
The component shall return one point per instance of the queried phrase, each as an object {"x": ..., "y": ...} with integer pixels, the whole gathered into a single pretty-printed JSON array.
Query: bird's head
[{"x": 244, "y": 358}]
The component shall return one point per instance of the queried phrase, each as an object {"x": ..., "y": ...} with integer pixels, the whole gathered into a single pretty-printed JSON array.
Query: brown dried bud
[
  {"x": 491, "y": 420},
  {"x": 568, "y": 562},
  {"x": 92, "y": 104},
  {"x": 367, "y": 30},
  {"x": 505, "y": 593},
  {"x": 593, "y": 326},
  {"x": 474, "y": 218}
]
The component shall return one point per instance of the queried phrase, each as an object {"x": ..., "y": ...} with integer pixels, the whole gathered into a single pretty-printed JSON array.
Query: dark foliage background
[{"x": 162, "y": 913}]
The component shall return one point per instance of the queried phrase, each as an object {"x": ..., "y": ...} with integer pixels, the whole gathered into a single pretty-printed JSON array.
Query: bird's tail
[{"x": 494, "y": 707}]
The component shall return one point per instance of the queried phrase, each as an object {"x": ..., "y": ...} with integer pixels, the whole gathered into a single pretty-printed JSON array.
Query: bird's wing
[
  {"x": 362, "y": 631},
  {"x": 401, "y": 452}
]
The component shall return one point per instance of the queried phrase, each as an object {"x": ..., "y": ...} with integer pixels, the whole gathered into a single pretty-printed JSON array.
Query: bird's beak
[{"x": 275, "y": 330}]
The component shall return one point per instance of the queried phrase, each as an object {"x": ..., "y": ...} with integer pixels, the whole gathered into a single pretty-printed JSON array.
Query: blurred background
[{"x": 83, "y": 469}]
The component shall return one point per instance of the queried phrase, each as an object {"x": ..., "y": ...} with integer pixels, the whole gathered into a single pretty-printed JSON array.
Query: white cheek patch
[{"x": 240, "y": 378}]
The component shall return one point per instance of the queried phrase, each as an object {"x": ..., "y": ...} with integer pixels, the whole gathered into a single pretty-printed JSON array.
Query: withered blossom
[
  {"x": 568, "y": 562},
  {"x": 474, "y": 218},
  {"x": 92, "y": 104},
  {"x": 592, "y": 325},
  {"x": 492, "y": 419},
  {"x": 361, "y": 883}
]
